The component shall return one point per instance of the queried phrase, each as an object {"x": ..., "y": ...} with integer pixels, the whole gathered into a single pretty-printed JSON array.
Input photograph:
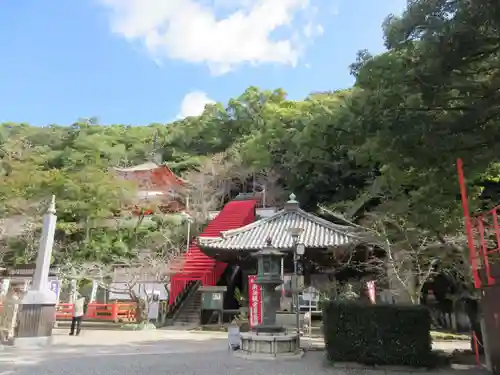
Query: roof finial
[
  {"x": 292, "y": 204},
  {"x": 52, "y": 206}
]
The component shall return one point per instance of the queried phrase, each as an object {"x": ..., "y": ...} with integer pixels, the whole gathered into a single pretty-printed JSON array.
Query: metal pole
[
  {"x": 282, "y": 279},
  {"x": 310, "y": 321},
  {"x": 188, "y": 241},
  {"x": 297, "y": 304}
]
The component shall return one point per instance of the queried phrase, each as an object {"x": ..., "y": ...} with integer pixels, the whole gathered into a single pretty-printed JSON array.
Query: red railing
[
  {"x": 197, "y": 265},
  {"x": 113, "y": 312},
  {"x": 476, "y": 348},
  {"x": 483, "y": 235},
  {"x": 487, "y": 231}
]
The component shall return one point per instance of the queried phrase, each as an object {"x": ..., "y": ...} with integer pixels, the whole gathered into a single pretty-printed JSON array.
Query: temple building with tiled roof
[
  {"x": 322, "y": 239},
  {"x": 156, "y": 182}
]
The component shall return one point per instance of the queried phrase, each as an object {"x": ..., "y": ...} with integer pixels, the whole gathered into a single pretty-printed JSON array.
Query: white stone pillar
[{"x": 37, "y": 313}]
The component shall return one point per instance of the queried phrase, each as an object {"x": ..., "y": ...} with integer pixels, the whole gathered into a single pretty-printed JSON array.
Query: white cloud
[
  {"x": 311, "y": 30},
  {"x": 194, "y": 103},
  {"x": 194, "y": 30},
  {"x": 335, "y": 7}
]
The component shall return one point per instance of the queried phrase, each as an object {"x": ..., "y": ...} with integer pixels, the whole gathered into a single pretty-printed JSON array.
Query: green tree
[{"x": 431, "y": 98}]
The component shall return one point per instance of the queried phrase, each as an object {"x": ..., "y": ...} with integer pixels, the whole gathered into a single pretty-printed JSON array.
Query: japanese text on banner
[{"x": 255, "y": 299}]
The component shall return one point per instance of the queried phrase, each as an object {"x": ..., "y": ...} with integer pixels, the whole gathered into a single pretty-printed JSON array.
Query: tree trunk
[
  {"x": 414, "y": 298},
  {"x": 453, "y": 315},
  {"x": 141, "y": 307},
  {"x": 141, "y": 311}
]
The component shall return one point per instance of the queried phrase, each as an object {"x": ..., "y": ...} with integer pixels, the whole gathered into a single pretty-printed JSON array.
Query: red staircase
[{"x": 197, "y": 265}]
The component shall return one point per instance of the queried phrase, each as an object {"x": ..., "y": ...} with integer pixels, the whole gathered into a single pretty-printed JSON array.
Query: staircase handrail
[
  {"x": 179, "y": 299},
  {"x": 185, "y": 296}
]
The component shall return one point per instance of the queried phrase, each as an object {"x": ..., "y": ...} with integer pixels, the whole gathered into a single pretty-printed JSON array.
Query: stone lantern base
[{"x": 269, "y": 346}]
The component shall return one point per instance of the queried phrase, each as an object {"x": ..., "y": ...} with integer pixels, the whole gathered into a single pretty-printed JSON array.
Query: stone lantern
[
  {"x": 269, "y": 340},
  {"x": 269, "y": 278}
]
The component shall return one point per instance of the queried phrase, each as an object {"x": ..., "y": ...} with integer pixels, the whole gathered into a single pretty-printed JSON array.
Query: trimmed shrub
[{"x": 378, "y": 334}]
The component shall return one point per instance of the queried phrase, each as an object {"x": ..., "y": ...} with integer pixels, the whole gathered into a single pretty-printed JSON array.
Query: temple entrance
[{"x": 311, "y": 249}]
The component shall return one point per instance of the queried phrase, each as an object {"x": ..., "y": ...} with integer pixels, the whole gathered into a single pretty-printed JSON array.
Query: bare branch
[
  {"x": 211, "y": 184},
  {"x": 269, "y": 182},
  {"x": 412, "y": 256}
]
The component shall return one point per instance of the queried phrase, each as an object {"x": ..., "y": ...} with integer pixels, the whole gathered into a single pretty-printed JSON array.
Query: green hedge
[{"x": 378, "y": 334}]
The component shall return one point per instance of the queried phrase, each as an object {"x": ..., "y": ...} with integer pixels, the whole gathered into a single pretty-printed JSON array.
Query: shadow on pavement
[
  {"x": 166, "y": 356},
  {"x": 87, "y": 357},
  {"x": 157, "y": 352}
]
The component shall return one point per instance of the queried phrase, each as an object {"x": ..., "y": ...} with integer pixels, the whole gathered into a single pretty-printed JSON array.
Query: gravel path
[{"x": 151, "y": 352}]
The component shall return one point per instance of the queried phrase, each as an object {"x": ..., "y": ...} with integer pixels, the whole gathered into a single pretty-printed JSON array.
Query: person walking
[
  {"x": 79, "y": 307},
  {"x": 8, "y": 318}
]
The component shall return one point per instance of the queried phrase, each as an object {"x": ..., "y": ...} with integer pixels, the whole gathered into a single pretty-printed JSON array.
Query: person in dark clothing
[{"x": 79, "y": 309}]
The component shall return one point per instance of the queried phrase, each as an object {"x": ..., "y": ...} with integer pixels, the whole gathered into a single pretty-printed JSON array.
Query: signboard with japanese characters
[{"x": 255, "y": 301}]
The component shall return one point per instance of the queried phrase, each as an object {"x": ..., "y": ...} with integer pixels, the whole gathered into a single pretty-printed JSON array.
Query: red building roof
[
  {"x": 159, "y": 180},
  {"x": 151, "y": 176}
]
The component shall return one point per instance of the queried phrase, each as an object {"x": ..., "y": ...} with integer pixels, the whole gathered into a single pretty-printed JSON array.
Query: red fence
[
  {"x": 113, "y": 312},
  {"x": 110, "y": 312}
]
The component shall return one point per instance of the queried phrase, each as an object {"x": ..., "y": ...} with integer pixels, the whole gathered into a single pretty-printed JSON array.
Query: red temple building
[{"x": 156, "y": 182}]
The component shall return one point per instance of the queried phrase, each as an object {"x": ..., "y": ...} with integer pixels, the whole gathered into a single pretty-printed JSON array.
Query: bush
[{"x": 378, "y": 334}]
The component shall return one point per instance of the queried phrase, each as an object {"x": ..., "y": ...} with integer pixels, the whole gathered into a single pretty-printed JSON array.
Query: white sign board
[
  {"x": 310, "y": 294},
  {"x": 154, "y": 305},
  {"x": 233, "y": 337},
  {"x": 55, "y": 287}
]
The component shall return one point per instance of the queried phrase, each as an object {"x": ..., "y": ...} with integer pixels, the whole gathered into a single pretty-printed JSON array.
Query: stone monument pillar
[{"x": 38, "y": 307}]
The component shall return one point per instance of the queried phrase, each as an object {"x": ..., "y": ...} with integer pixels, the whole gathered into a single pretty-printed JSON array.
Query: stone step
[
  {"x": 187, "y": 309},
  {"x": 189, "y": 320}
]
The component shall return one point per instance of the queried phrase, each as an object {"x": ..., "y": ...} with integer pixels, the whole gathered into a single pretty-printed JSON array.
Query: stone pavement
[{"x": 153, "y": 352}]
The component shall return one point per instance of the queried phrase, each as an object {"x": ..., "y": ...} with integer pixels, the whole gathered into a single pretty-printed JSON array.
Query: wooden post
[{"x": 114, "y": 311}]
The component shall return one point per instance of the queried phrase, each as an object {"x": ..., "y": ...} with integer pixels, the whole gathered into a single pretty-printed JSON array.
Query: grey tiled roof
[{"x": 317, "y": 232}]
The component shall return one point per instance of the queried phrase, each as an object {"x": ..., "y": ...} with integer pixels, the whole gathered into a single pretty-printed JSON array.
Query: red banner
[{"x": 255, "y": 302}]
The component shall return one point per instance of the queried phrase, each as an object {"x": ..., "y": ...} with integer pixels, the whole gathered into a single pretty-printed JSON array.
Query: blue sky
[{"x": 143, "y": 61}]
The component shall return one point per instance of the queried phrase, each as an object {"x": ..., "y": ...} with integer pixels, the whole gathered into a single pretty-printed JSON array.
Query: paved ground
[{"x": 152, "y": 352}]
